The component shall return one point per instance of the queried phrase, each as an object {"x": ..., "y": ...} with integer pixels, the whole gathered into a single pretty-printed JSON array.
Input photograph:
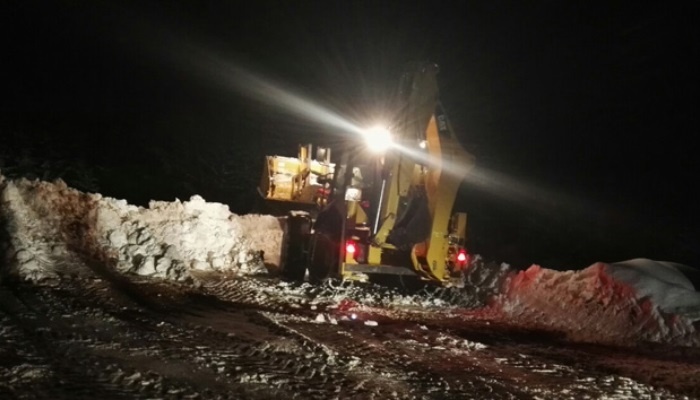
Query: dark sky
[{"x": 582, "y": 115}]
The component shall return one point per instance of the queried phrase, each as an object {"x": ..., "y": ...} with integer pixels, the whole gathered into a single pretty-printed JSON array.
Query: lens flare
[
  {"x": 378, "y": 139},
  {"x": 458, "y": 168},
  {"x": 273, "y": 94}
]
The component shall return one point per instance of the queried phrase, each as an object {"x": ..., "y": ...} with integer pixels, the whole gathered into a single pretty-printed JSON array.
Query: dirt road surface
[{"x": 116, "y": 337}]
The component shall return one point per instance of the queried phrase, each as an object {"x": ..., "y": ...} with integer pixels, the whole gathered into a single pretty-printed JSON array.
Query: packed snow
[
  {"x": 635, "y": 300},
  {"x": 48, "y": 227}
]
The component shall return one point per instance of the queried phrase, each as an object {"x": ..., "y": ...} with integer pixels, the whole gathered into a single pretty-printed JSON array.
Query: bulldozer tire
[
  {"x": 324, "y": 256},
  {"x": 297, "y": 247}
]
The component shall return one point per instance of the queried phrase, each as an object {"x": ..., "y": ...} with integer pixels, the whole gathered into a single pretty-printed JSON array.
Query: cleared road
[{"x": 247, "y": 338}]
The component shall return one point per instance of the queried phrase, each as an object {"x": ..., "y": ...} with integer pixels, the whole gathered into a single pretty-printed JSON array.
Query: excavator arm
[{"x": 427, "y": 166}]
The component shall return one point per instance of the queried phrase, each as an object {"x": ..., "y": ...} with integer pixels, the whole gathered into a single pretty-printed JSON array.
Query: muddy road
[{"x": 257, "y": 338}]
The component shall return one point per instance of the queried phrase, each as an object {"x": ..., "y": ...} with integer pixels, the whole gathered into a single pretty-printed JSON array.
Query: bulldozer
[{"x": 385, "y": 206}]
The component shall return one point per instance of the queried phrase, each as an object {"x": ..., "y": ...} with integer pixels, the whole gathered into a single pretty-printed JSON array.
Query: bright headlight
[{"x": 378, "y": 139}]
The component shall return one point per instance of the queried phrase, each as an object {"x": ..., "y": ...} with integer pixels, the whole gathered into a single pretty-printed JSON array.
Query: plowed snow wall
[{"x": 50, "y": 227}]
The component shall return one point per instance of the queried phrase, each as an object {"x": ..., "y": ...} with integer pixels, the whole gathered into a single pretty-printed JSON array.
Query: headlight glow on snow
[{"x": 378, "y": 139}]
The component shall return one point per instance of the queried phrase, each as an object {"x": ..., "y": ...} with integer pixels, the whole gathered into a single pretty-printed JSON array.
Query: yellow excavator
[{"x": 386, "y": 205}]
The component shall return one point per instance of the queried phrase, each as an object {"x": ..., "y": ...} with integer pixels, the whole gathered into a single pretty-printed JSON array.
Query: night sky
[{"x": 581, "y": 115}]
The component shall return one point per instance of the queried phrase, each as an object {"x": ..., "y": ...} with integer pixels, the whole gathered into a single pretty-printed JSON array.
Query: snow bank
[
  {"x": 630, "y": 301},
  {"x": 51, "y": 227}
]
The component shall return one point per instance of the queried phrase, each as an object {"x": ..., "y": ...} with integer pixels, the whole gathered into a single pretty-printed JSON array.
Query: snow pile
[
  {"x": 50, "y": 227},
  {"x": 265, "y": 233},
  {"x": 636, "y": 300},
  {"x": 482, "y": 281},
  {"x": 662, "y": 282}
]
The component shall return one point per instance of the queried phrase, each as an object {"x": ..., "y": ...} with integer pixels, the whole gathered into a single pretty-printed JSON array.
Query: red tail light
[
  {"x": 350, "y": 247},
  {"x": 462, "y": 256},
  {"x": 462, "y": 259}
]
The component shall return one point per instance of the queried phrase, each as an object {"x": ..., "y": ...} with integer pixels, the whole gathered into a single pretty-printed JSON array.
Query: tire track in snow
[
  {"x": 193, "y": 342},
  {"x": 69, "y": 370},
  {"x": 252, "y": 368}
]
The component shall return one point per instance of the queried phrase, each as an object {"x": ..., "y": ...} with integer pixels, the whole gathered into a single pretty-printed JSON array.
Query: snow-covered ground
[
  {"x": 172, "y": 301},
  {"x": 51, "y": 227}
]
